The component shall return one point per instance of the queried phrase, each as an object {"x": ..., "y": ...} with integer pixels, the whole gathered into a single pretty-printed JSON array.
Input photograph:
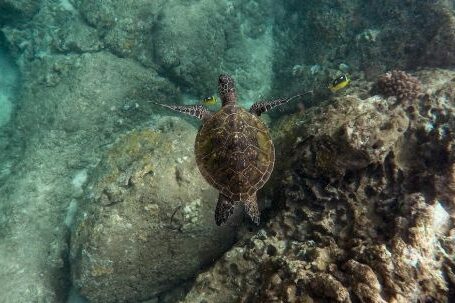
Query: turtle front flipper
[
  {"x": 263, "y": 106},
  {"x": 252, "y": 208},
  {"x": 198, "y": 111},
  {"x": 224, "y": 208}
]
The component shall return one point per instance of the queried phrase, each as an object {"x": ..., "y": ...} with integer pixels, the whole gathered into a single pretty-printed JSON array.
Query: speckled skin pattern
[{"x": 234, "y": 153}]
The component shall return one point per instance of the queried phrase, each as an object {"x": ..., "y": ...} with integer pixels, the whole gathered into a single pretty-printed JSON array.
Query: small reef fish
[
  {"x": 209, "y": 100},
  {"x": 339, "y": 83}
]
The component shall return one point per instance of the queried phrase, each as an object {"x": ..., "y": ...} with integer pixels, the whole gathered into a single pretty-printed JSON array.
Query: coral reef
[
  {"x": 399, "y": 84},
  {"x": 134, "y": 235},
  {"x": 364, "y": 214}
]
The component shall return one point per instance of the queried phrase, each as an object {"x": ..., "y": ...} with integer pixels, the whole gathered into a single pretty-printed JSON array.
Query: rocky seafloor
[
  {"x": 100, "y": 198},
  {"x": 366, "y": 212},
  {"x": 363, "y": 202}
]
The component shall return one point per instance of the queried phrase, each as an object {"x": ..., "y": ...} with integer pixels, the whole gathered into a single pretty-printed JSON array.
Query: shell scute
[
  {"x": 234, "y": 152},
  {"x": 253, "y": 174}
]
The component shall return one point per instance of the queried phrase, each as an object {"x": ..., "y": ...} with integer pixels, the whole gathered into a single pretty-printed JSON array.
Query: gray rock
[
  {"x": 188, "y": 48},
  {"x": 191, "y": 42},
  {"x": 75, "y": 36},
  {"x": 147, "y": 223},
  {"x": 192, "y": 54},
  {"x": 125, "y": 28},
  {"x": 16, "y": 10},
  {"x": 105, "y": 84},
  {"x": 70, "y": 108}
]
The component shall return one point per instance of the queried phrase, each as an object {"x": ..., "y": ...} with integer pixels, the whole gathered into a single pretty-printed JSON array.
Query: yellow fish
[
  {"x": 209, "y": 100},
  {"x": 339, "y": 83}
]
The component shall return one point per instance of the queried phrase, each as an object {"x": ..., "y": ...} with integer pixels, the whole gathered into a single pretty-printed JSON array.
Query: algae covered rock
[
  {"x": 14, "y": 10},
  {"x": 191, "y": 56},
  {"x": 191, "y": 42},
  {"x": 125, "y": 28},
  {"x": 69, "y": 107},
  {"x": 147, "y": 221},
  {"x": 348, "y": 134},
  {"x": 97, "y": 92}
]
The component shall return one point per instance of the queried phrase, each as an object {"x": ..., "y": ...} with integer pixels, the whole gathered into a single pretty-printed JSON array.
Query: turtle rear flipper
[
  {"x": 252, "y": 208},
  {"x": 224, "y": 209}
]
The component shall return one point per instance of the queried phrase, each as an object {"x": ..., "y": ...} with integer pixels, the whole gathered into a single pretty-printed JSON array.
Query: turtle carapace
[{"x": 234, "y": 150}]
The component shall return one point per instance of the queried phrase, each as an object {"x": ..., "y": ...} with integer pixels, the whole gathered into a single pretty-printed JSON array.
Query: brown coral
[{"x": 399, "y": 84}]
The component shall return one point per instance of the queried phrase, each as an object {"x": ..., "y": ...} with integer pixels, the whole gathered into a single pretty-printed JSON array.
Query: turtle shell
[{"x": 234, "y": 152}]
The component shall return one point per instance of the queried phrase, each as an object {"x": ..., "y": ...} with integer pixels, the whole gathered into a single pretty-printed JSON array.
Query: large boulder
[
  {"x": 191, "y": 42},
  {"x": 70, "y": 107},
  {"x": 190, "y": 49},
  {"x": 15, "y": 11},
  {"x": 147, "y": 222}
]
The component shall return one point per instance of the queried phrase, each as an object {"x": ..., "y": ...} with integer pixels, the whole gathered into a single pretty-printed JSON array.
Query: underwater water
[
  {"x": 162, "y": 151},
  {"x": 8, "y": 83}
]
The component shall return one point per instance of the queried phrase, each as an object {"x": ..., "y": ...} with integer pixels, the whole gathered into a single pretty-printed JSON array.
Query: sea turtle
[{"x": 234, "y": 150}]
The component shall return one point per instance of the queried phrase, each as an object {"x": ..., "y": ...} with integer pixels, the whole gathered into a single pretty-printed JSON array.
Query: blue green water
[{"x": 100, "y": 196}]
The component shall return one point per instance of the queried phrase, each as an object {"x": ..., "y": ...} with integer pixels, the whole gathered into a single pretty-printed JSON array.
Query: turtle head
[{"x": 226, "y": 89}]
